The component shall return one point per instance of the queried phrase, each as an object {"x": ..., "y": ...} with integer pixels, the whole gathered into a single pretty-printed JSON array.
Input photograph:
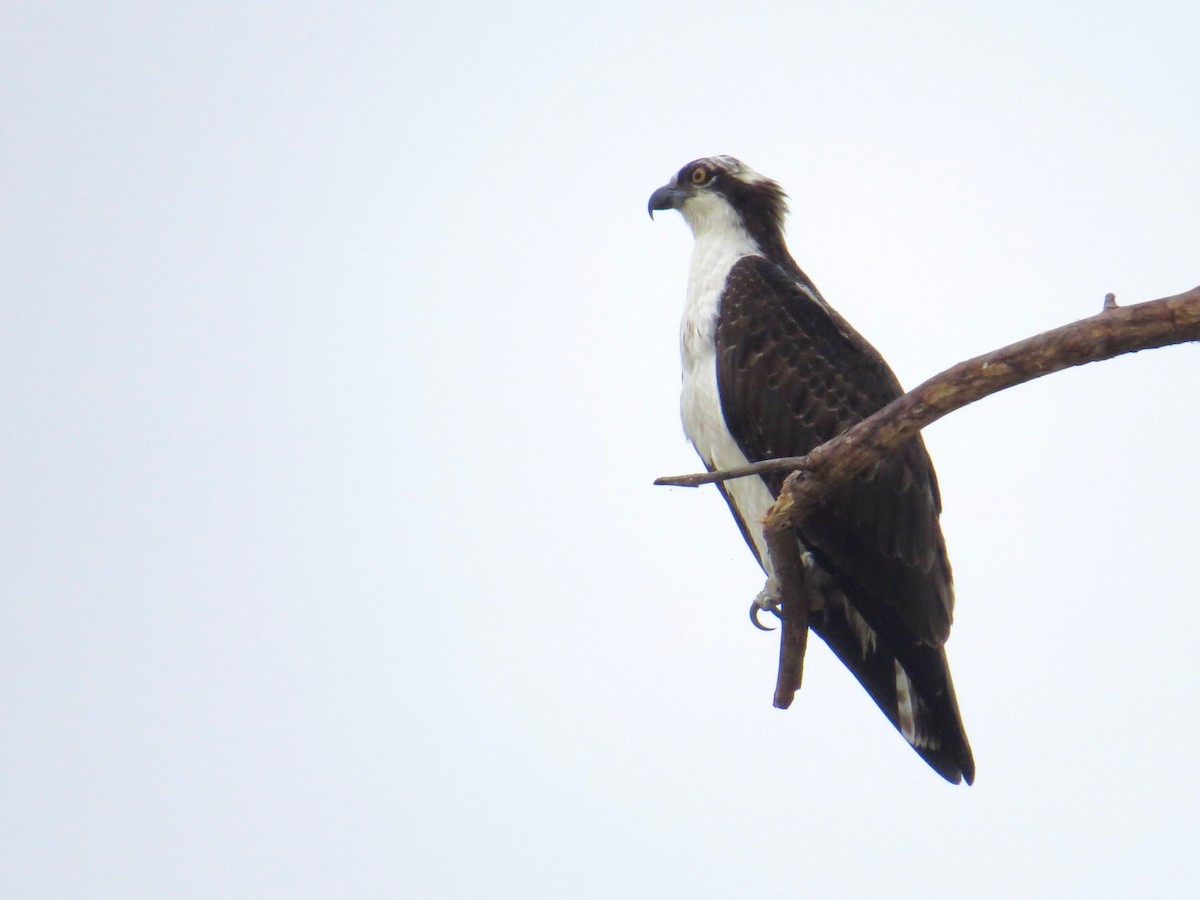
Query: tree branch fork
[{"x": 1114, "y": 331}]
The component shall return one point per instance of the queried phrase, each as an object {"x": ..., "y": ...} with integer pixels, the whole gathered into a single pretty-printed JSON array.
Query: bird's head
[{"x": 720, "y": 191}]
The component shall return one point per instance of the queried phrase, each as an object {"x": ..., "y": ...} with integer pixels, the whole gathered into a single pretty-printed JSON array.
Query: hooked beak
[{"x": 669, "y": 196}]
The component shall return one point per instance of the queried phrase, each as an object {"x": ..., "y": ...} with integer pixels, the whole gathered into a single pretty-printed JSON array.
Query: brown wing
[{"x": 792, "y": 374}]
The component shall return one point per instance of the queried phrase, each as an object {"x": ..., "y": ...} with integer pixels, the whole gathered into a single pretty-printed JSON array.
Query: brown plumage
[{"x": 792, "y": 374}]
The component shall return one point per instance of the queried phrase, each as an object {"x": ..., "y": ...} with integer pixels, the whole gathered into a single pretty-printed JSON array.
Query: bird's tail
[{"x": 910, "y": 684}]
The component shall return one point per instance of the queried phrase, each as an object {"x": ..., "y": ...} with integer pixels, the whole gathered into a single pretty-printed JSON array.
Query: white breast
[{"x": 719, "y": 244}]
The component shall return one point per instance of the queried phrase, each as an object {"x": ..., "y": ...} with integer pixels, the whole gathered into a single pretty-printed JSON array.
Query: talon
[
  {"x": 754, "y": 610},
  {"x": 768, "y": 599}
]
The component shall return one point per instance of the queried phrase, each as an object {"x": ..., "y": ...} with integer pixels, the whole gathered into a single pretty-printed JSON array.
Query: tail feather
[{"x": 910, "y": 684}]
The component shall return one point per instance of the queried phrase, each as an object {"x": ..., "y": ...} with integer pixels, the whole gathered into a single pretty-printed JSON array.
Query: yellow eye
[{"x": 699, "y": 175}]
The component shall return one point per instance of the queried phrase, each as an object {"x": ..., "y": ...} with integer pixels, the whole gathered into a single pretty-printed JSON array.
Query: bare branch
[{"x": 1112, "y": 332}]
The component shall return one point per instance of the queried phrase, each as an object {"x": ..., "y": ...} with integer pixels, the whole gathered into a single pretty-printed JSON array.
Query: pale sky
[{"x": 337, "y": 358}]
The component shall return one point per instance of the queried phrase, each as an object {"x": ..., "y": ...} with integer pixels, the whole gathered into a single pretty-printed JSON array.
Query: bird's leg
[{"x": 770, "y": 599}]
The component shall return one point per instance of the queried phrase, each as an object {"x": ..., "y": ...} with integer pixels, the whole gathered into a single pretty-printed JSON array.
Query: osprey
[{"x": 771, "y": 370}]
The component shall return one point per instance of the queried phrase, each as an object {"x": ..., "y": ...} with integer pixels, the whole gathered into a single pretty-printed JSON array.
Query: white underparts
[{"x": 721, "y": 241}]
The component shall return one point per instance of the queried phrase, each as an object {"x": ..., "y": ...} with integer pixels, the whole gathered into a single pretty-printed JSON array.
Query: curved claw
[
  {"x": 754, "y": 611},
  {"x": 768, "y": 598}
]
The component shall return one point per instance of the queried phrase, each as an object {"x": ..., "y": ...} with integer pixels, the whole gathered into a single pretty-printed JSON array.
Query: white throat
[{"x": 721, "y": 240}]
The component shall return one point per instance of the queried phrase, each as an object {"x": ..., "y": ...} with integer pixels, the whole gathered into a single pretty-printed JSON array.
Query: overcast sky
[{"x": 337, "y": 358}]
